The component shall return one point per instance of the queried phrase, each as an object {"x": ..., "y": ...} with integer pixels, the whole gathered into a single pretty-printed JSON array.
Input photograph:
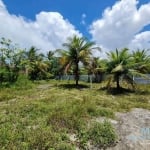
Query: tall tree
[{"x": 79, "y": 49}]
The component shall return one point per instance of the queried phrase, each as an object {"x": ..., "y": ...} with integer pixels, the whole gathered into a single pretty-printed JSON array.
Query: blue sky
[
  {"x": 70, "y": 9},
  {"x": 47, "y": 23}
]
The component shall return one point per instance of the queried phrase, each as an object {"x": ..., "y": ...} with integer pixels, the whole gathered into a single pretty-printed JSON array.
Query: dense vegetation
[
  {"x": 76, "y": 59},
  {"x": 46, "y": 114}
]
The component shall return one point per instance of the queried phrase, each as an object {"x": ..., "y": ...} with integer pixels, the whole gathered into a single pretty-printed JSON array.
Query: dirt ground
[{"x": 133, "y": 129}]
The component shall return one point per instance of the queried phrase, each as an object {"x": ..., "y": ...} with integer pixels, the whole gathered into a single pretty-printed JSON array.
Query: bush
[
  {"x": 7, "y": 75},
  {"x": 102, "y": 135},
  {"x": 23, "y": 82}
]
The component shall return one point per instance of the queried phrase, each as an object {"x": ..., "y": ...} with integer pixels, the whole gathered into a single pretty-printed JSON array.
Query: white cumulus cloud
[
  {"x": 47, "y": 32},
  {"x": 122, "y": 25},
  {"x": 141, "y": 41}
]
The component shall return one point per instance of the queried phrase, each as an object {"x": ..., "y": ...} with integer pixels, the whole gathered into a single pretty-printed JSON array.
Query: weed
[
  {"x": 40, "y": 118},
  {"x": 102, "y": 135}
]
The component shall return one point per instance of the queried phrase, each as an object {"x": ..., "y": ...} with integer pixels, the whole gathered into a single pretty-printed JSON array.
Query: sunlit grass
[{"x": 40, "y": 115}]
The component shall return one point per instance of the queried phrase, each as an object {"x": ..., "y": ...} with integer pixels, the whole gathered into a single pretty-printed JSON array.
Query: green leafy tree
[
  {"x": 4, "y": 51},
  {"x": 10, "y": 60},
  {"x": 79, "y": 49}
]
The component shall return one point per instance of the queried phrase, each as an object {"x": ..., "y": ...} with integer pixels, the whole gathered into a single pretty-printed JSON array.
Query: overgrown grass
[
  {"x": 40, "y": 115},
  {"x": 102, "y": 135}
]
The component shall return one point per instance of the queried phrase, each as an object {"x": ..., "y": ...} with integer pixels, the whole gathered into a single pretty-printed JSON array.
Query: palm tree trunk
[
  {"x": 77, "y": 73},
  {"x": 77, "y": 82},
  {"x": 117, "y": 82}
]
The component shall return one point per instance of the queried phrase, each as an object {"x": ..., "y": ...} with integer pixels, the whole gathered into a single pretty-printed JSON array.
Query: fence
[
  {"x": 142, "y": 80},
  {"x": 85, "y": 78},
  {"x": 99, "y": 78}
]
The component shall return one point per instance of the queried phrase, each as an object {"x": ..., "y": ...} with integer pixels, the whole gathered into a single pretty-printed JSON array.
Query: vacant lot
[{"x": 45, "y": 115}]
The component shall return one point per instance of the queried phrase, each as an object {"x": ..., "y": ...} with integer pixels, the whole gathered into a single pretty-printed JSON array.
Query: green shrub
[
  {"x": 102, "y": 135},
  {"x": 23, "y": 82},
  {"x": 8, "y": 75}
]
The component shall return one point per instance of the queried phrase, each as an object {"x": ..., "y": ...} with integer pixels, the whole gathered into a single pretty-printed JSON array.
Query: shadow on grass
[
  {"x": 73, "y": 86},
  {"x": 115, "y": 91},
  {"x": 142, "y": 92}
]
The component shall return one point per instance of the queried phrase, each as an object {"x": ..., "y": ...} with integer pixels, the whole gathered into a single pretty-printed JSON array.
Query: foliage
[
  {"x": 97, "y": 68},
  {"x": 54, "y": 66},
  {"x": 76, "y": 59},
  {"x": 36, "y": 68},
  {"x": 10, "y": 59},
  {"x": 78, "y": 50},
  {"x": 141, "y": 61},
  {"x": 42, "y": 115},
  {"x": 122, "y": 65},
  {"x": 103, "y": 135}
]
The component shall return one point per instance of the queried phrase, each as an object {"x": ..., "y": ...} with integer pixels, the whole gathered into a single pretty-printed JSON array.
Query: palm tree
[
  {"x": 50, "y": 55},
  {"x": 53, "y": 63},
  {"x": 32, "y": 54},
  {"x": 35, "y": 66},
  {"x": 79, "y": 49},
  {"x": 141, "y": 61},
  {"x": 122, "y": 64},
  {"x": 118, "y": 65},
  {"x": 97, "y": 68}
]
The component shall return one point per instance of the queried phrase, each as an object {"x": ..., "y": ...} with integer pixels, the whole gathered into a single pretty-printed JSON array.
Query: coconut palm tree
[
  {"x": 117, "y": 66},
  {"x": 32, "y": 54},
  {"x": 35, "y": 66},
  {"x": 50, "y": 55},
  {"x": 53, "y": 63},
  {"x": 97, "y": 68},
  {"x": 125, "y": 65},
  {"x": 79, "y": 49},
  {"x": 141, "y": 61}
]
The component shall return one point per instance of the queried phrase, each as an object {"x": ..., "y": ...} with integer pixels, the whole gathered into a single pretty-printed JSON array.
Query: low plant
[{"x": 102, "y": 135}]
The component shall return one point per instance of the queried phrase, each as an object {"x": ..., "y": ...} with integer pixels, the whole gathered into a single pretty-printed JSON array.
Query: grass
[
  {"x": 40, "y": 115},
  {"x": 102, "y": 135}
]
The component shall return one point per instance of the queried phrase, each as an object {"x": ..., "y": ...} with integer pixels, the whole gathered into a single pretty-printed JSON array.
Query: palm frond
[
  {"x": 118, "y": 69},
  {"x": 136, "y": 73}
]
